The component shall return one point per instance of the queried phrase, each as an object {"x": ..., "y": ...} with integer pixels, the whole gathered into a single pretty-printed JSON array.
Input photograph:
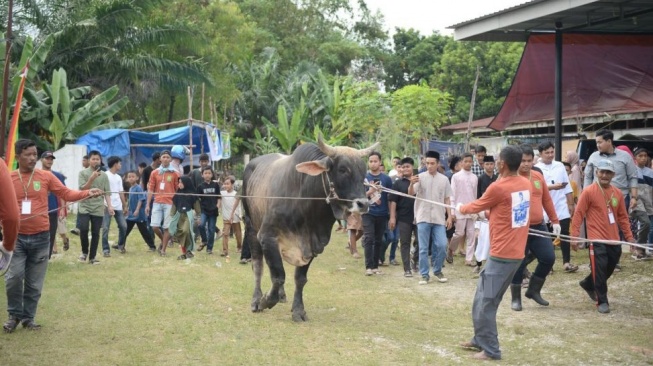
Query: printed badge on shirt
[{"x": 520, "y": 208}]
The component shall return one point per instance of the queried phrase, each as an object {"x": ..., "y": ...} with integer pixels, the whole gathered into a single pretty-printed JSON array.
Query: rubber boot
[
  {"x": 534, "y": 288},
  {"x": 515, "y": 290}
]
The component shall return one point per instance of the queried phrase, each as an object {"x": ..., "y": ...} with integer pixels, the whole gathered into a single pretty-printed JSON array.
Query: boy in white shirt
[
  {"x": 119, "y": 208},
  {"x": 231, "y": 215}
]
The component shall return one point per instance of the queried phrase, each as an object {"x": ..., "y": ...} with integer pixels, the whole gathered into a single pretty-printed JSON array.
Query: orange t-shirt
[
  {"x": 41, "y": 183},
  {"x": 540, "y": 198},
  {"x": 163, "y": 185},
  {"x": 8, "y": 210},
  {"x": 593, "y": 206},
  {"x": 508, "y": 200}
]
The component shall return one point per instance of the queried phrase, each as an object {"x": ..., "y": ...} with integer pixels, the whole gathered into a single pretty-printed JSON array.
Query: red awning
[{"x": 600, "y": 74}]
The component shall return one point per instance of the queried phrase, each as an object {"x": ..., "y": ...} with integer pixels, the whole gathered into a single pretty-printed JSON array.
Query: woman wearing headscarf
[
  {"x": 185, "y": 212},
  {"x": 575, "y": 176}
]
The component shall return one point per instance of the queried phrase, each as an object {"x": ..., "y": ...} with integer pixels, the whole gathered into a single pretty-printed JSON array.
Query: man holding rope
[
  {"x": 26, "y": 274},
  {"x": 603, "y": 207}
]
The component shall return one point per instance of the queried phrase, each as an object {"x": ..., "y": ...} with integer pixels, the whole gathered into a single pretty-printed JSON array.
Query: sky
[{"x": 427, "y": 16}]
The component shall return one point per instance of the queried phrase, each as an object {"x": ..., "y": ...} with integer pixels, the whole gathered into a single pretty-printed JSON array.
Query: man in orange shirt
[
  {"x": 26, "y": 274},
  {"x": 603, "y": 208},
  {"x": 540, "y": 247},
  {"x": 163, "y": 183},
  {"x": 508, "y": 200},
  {"x": 8, "y": 217}
]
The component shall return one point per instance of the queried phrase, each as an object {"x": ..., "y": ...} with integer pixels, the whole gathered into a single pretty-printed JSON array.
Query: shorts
[
  {"x": 355, "y": 222},
  {"x": 61, "y": 226},
  {"x": 161, "y": 212}
]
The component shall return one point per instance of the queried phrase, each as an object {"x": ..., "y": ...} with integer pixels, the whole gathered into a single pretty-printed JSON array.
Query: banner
[{"x": 13, "y": 129}]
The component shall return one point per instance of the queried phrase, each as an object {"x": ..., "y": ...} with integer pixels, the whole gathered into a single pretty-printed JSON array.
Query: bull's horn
[
  {"x": 328, "y": 150},
  {"x": 369, "y": 150}
]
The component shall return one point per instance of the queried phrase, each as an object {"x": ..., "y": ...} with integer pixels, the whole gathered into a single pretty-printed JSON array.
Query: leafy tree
[
  {"x": 418, "y": 112},
  {"x": 288, "y": 133}
]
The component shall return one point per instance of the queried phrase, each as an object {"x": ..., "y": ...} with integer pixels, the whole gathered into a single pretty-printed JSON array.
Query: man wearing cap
[
  {"x": 643, "y": 211},
  {"x": 602, "y": 207},
  {"x": 56, "y": 206},
  {"x": 162, "y": 185}
]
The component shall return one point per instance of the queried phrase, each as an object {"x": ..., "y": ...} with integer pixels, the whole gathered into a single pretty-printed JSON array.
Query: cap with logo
[{"x": 47, "y": 155}]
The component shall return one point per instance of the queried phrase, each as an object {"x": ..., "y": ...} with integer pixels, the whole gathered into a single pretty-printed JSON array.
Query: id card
[
  {"x": 26, "y": 207},
  {"x": 611, "y": 216},
  {"x": 162, "y": 186}
]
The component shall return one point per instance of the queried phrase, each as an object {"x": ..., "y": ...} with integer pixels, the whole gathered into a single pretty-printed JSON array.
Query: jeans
[
  {"x": 119, "y": 216},
  {"x": 390, "y": 239},
  {"x": 542, "y": 249},
  {"x": 208, "y": 232},
  {"x": 54, "y": 222},
  {"x": 95, "y": 222},
  {"x": 395, "y": 243},
  {"x": 373, "y": 229},
  {"x": 433, "y": 237},
  {"x": 26, "y": 274}
]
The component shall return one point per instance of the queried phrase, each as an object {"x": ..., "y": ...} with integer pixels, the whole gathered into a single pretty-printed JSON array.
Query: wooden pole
[
  {"x": 5, "y": 80},
  {"x": 202, "y": 105},
  {"x": 471, "y": 110},
  {"x": 190, "y": 125}
]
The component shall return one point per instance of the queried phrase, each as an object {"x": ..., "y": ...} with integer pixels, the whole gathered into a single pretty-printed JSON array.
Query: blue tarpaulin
[{"x": 124, "y": 144}]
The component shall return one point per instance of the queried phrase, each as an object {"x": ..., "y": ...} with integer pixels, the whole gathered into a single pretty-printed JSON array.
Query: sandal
[
  {"x": 570, "y": 268},
  {"x": 201, "y": 247},
  {"x": 66, "y": 244},
  {"x": 182, "y": 257}
]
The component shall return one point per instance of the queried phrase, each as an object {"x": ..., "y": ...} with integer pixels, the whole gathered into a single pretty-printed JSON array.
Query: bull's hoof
[
  {"x": 299, "y": 316},
  {"x": 256, "y": 306},
  {"x": 267, "y": 302}
]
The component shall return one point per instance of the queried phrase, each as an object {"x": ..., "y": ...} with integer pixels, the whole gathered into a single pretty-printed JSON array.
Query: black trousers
[
  {"x": 406, "y": 230},
  {"x": 54, "y": 221},
  {"x": 373, "y": 229},
  {"x": 95, "y": 223},
  {"x": 143, "y": 229},
  {"x": 603, "y": 260}
]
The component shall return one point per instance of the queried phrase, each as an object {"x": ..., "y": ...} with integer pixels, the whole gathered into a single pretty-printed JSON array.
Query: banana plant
[{"x": 288, "y": 134}]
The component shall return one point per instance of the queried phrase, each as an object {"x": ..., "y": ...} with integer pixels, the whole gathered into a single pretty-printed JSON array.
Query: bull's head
[{"x": 346, "y": 170}]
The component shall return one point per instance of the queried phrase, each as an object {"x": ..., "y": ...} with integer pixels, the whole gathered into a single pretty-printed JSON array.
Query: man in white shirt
[
  {"x": 119, "y": 208},
  {"x": 562, "y": 195}
]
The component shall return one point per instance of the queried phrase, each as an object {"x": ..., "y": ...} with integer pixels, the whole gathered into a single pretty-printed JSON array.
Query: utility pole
[
  {"x": 471, "y": 110},
  {"x": 5, "y": 80}
]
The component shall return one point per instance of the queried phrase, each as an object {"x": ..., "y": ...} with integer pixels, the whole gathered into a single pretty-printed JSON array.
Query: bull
[{"x": 321, "y": 183}]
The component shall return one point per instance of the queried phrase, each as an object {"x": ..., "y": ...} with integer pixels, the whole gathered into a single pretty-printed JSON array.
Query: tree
[{"x": 418, "y": 112}]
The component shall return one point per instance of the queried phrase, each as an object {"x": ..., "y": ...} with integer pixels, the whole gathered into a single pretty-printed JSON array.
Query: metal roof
[{"x": 516, "y": 23}]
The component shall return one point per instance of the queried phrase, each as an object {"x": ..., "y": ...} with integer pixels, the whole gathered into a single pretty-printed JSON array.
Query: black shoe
[
  {"x": 515, "y": 291},
  {"x": 106, "y": 254},
  {"x": 534, "y": 289},
  {"x": 30, "y": 325},
  {"x": 11, "y": 324},
  {"x": 115, "y": 246},
  {"x": 590, "y": 293},
  {"x": 75, "y": 231},
  {"x": 604, "y": 308},
  {"x": 122, "y": 249}
]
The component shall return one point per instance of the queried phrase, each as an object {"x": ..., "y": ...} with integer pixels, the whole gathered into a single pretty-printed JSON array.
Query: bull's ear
[{"x": 315, "y": 167}]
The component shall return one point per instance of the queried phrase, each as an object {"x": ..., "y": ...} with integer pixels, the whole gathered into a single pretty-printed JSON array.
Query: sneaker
[
  {"x": 617, "y": 268},
  {"x": 604, "y": 308},
  {"x": 476, "y": 270},
  {"x": 243, "y": 261},
  {"x": 394, "y": 262},
  {"x": 424, "y": 280},
  {"x": 209, "y": 251},
  {"x": 408, "y": 274},
  {"x": 122, "y": 249},
  {"x": 66, "y": 244},
  {"x": 377, "y": 271},
  {"x": 82, "y": 257},
  {"x": 94, "y": 261},
  {"x": 570, "y": 268},
  {"x": 369, "y": 272},
  {"x": 151, "y": 249},
  {"x": 11, "y": 324},
  {"x": 75, "y": 231},
  {"x": 440, "y": 277},
  {"x": 106, "y": 254},
  {"x": 590, "y": 293},
  {"x": 30, "y": 325},
  {"x": 182, "y": 257}
]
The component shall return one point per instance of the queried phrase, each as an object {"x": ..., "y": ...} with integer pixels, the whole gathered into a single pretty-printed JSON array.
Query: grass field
[{"x": 138, "y": 308}]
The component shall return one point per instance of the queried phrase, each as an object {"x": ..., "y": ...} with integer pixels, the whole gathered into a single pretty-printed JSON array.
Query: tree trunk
[{"x": 172, "y": 108}]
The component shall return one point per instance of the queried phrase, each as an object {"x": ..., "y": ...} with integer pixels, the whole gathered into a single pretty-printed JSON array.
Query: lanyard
[
  {"x": 25, "y": 187},
  {"x": 607, "y": 201}
]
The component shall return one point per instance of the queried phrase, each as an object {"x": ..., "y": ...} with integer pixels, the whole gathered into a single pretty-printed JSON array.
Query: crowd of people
[{"x": 495, "y": 211}]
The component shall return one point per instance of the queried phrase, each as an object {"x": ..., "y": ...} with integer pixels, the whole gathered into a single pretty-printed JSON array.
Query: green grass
[{"x": 139, "y": 308}]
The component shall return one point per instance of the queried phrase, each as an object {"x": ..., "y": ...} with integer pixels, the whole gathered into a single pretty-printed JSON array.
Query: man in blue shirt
[
  {"x": 375, "y": 221},
  {"x": 54, "y": 206}
]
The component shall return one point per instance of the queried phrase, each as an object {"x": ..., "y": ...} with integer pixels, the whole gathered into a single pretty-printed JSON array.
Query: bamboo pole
[
  {"x": 202, "y": 104},
  {"x": 159, "y": 125},
  {"x": 190, "y": 125},
  {"x": 471, "y": 110}
]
